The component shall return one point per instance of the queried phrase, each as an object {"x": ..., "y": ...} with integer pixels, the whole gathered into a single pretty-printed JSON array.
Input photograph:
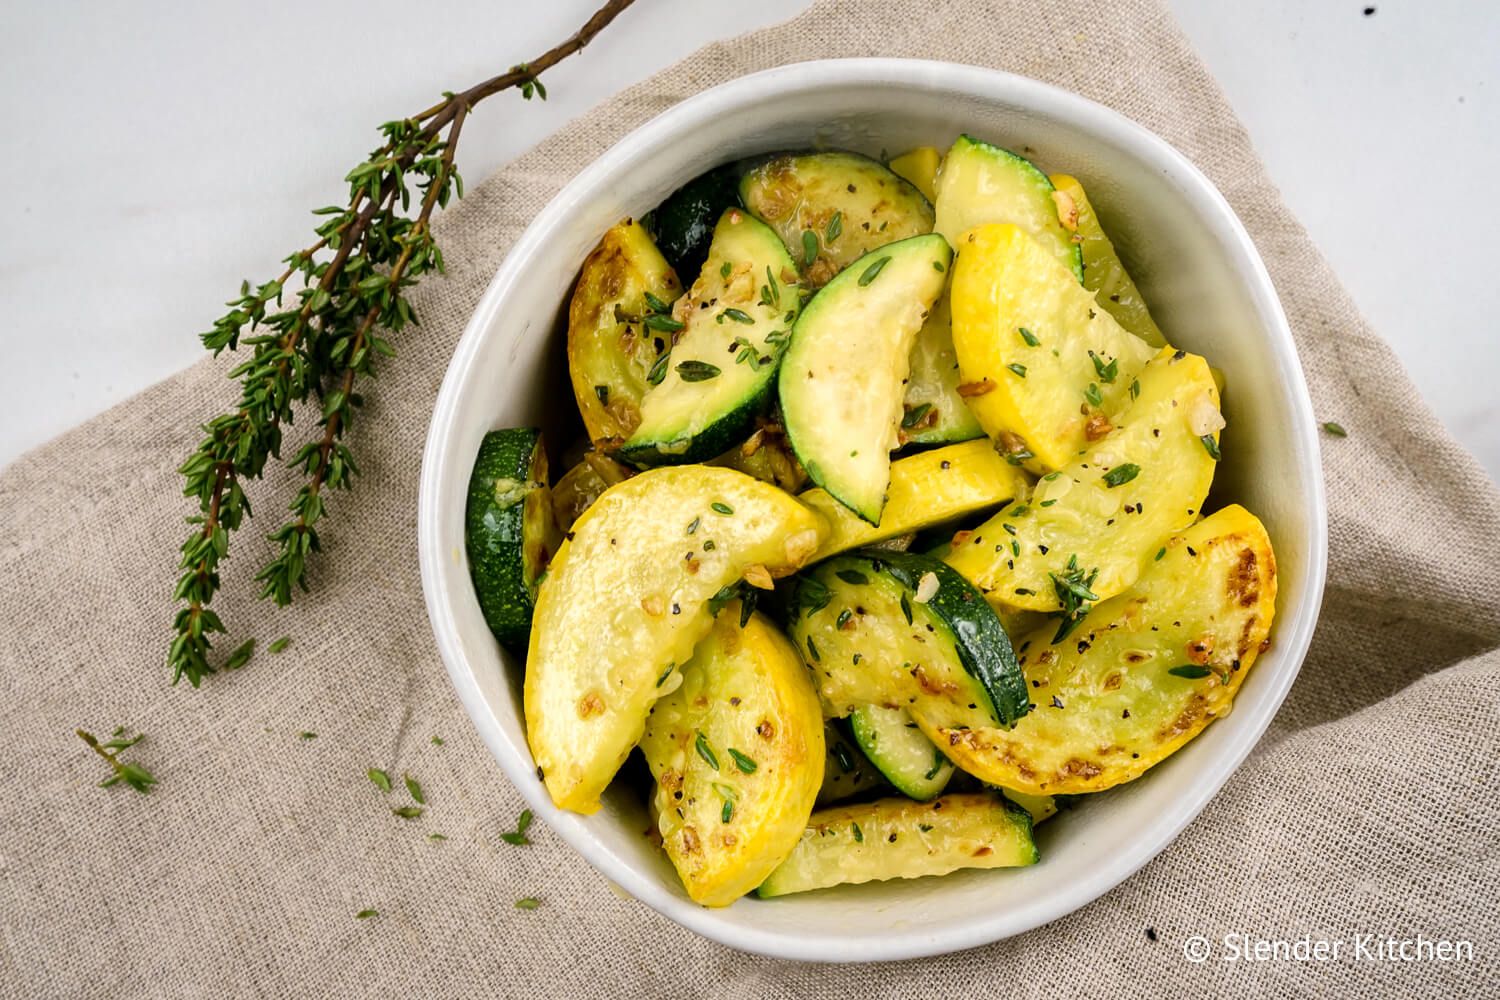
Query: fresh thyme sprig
[
  {"x": 132, "y": 774},
  {"x": 347, "y": 293}
]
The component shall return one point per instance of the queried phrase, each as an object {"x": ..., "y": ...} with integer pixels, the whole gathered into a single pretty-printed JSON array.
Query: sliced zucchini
[
  {"x": 1094, "y": 527},
  {"x": 896, "y": 629},
  {"x": 838, "y": 205},
  {"x": 933, "y": 411},
  {"x": 510, "y": 530},
  {"x": 982, "y": 184},
  {"x": 627, "y": 598},
  {"x": 684, "y": 223},
  {"x": 737, "y": 753},
  {"x": 899, "y": 838},
  {"x": 613, "y": 337},
  {"x": 847, "y": 772},
  {"x": 1041, "y": 807},
  {"x": 1104, "y": 273},
  {"x": 894, "y": 744},
  {"x": 736, "y": 321},
  {"x": 928, "y": 488},
  {"x": 584, "y": 483},
  {"x": 1045, "y": 369},
  {"x": 1151, "y": 668},
  {"x": 841, "y": 381},
  {"x": 920, "y": 166}
]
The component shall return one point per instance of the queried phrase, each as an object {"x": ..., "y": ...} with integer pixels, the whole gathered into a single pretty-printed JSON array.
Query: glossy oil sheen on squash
[
  {"x": 610, "y": 350},
  {"x": 1108, "y": 704},
  {"x": 626, "y": 599},
  {"x": 737, "y": 753},
  {"x": 899, "y": 838},
  {"x": 1104, "y": 273},
  {"x": 1090, "y": 511},
  {"x": 1042, "y": 363}
]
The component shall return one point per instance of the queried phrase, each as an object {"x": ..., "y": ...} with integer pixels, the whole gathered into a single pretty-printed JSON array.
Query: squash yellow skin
[
  {"x": 926, "y": 489},
  {"x": 1004, "y": 282},
  {"x": 900, "y": 838},
  {"x": 920, "y": 167},
  {"x": 1208, "y": 602},
  {"x": 619, "y": 607},
  {"x": 607, "y": 351},
  {"x": 746, "y": 689},
  {"x": 1104, "y": 273},
  {"x": 1114, "y": 529}
]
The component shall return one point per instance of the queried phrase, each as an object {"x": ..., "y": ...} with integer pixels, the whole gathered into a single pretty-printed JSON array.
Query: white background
[{"x": 156, "y": 153}]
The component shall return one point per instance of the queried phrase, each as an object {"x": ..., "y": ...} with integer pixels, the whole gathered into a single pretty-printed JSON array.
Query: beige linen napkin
[{"x": 1370, "y": 806}]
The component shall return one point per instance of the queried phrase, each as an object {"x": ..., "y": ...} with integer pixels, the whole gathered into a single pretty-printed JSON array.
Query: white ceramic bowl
[{"x": 1207, "y": 287}]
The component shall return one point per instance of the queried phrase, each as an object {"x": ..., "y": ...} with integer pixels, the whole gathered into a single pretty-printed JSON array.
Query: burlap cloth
[{"x": 1370, "y": 806}]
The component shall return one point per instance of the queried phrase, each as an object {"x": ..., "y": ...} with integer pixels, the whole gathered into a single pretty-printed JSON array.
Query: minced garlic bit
[
  {"x": 1067, "y": 210},
  {"x": 927, "y": 587},
  {"x": 759, "y": 577}
]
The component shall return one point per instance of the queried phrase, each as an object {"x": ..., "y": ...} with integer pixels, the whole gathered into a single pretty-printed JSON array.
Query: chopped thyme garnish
[
  {"x": 366, "y": 914},
  {"x": 852, "y": 576},
  {"x": 742, "y": 761},
  {"x": 906, "y": 608},
  {"x": 134, "y": 775},
  {"x": 241, "y": 655},
  {"x": 415, "y": 790},
  {"x": 1017, "y": 369},
  {"x": 437, "y": 741},
  {"x": 1121, "y": 474},
  {"x": 1029, "y": 337},
  {"x": 280, "y": 644},
  {"x": 738, "y": 315},
  {"x": 719, "y": 507},
  {"x": 809, "y": 247},
  {"x": 528, "y": 903},
  {"x": 1335, "y": 430},
  {"x": 1073, "y": 593},
  {"x": 859, "y": 835},
  {"x": 407, "y": 812},
  {"x": 697, "y": 371},
  {"x": 705, "y": 751},
  {"x": 517, "y": 837},
  {"x": 726, "y": 269},
  {"x": 602, "y": 393},
  {"x": 1092, "y": 394},
  {"x": 379, "y": 779},
  {"x": 914, "y": 416},
  {"x": 1211, "y": 446},
  {"x": 659, "y": 370},
  {"x": 657, "y": 305},
  {"x": 306, "y": 735},
  {"x": 1107, "y": 372},
  {"x": 1191, "y": 671},
  {"x": 835, "y": 227},
  {"x": 664, "y": 324},
  {"x": 873, "y": 271}
]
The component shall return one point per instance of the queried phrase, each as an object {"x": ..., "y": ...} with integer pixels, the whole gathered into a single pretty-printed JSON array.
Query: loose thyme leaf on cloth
[{"x": 1369, "y": 807}]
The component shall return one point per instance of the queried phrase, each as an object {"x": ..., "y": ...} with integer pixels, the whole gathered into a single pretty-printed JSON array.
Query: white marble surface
[{"x": 156, "y": 153}]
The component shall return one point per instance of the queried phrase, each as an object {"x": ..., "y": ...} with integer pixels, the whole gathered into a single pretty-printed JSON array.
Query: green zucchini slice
[
  {"x": 894, "y": 744},
  {"x": 832, "y": 208},
  {"x": 933, "y": 412},
  {"x": 847, "y": 772},
  {"x": 510, "y": 529},
  {"x": 899, "y": 838},
  {"x": 980, "y": 184},
  {"x": 842, "y": 381},
  {"x": 734, "y": 325},
  {"x": 684, "y": 223},
  {"x": 902, "y": 630}
]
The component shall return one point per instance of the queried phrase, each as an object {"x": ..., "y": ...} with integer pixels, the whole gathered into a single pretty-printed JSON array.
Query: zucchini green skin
[
  {"x": 684, "y": 224},
  {"x": 509, "y": 529},
  {"x": 847, "y": 772},
  {"x": 894, "y": 744},
  {"x": 933, "y": 413},
  {"x": 742, "y": 297},
  {"x": 948, "y": 657},
  {"x": 985, "y": 648}
]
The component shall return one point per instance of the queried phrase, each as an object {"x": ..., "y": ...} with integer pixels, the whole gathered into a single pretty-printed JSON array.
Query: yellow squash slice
[
  {"x": 928, "y": 488},
  {"x": 737, "y": 753},
  {"x": 899, "y": 838},
  {"x": 1143, "y": 675},
  {"x": 920, "y": 166},
  {"x": 1103, "y": 272},
  {"x": 1099, "y": 521},
  {"x": 626, "y": 599},
  {"x": 610, "y": 349},
  {"x": 1044, "y": 368}
]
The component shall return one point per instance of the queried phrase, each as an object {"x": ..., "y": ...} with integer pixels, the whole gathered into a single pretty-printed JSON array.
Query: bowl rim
[{"x": 1295, "y": 624}]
